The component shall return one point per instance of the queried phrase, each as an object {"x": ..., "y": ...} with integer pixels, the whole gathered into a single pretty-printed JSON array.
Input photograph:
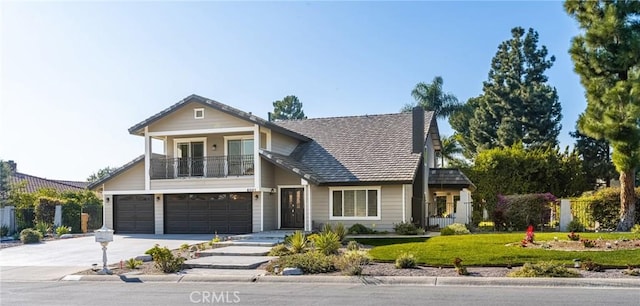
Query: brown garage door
[
  {"x": 133, "y": 214},
  {"x": 224, "y": 213}
]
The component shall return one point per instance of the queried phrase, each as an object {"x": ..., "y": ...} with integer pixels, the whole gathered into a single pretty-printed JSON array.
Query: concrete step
[
  {"x": 237, "y": 250},
  {"x": 227, "y": 262},
  {"x": 251, "y": 242}
]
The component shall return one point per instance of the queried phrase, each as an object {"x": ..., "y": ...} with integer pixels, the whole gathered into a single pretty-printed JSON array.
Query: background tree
[
  {"x": 517, "y": 104},
  {"x": 596, "y": 159},
  {"x": 433, "y": 98},
  {"x": 287, "y": 109},
  {"x": 102, "y": 173},
  {"x": 607, "y": 59},
  {"x": 450, "y": 149},
  {"x": 5, "y": 183}
]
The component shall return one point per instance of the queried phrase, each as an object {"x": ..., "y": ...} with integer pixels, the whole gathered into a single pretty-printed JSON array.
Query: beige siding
[
  {"x": 282, "y": 144},
  {"x": 158, "y": 210},
  {"x": 183, "y": 119},
  {"x": 132, "y": 179},
  {"x": 391, "y": 208},
  {"x": 270, "y": 211},
  {"x": 255, "y": 211},
  {"x": 267, "y": 173},
  {"x": 203, "y": 183},
  {"x": 283, "y": 177},
  {"x": 408, "y": 194},
  {"x": 107, "y": 213},
  {"x": 431, "y": 155}
]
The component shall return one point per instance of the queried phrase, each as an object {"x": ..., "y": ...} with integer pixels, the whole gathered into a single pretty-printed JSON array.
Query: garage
[
  {"x": 224, "y": 213},
  {"x": 133, "y": 214}
]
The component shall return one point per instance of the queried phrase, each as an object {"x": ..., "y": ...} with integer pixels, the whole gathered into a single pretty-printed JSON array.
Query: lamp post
[{"x": 104, "y": 236}]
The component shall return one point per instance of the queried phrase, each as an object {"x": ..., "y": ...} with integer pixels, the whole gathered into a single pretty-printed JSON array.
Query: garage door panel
[
  {"x": 134, "y": 214},
  {"x": 208, "y": 213}
]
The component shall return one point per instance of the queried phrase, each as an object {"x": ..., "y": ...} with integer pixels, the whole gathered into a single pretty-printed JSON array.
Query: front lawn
[{"x": 491, "y": 250}]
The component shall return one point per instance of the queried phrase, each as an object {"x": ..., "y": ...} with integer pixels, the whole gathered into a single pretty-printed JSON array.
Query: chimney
[
  {"x": 13, "y": 167},
  {"x": 418, "y": 129},
  {"x": 269, "y": 116}
]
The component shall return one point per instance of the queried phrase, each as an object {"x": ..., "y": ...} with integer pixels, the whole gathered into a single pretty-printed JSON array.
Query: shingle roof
[
  {"x": 357, "y": 149},
  {"x": 449, "y": 177},
  {"x": 137, "y": 129},
  {"x": 34, "y": 183}
]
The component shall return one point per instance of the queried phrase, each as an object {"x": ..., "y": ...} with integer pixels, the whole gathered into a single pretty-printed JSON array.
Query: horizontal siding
[
  {"x": 391, "y": 206},
  {"x": 132, "y": 179},
  {"x": 267, "y": 173},
  {"x": 282, "y": 144},
  {"x": 407, "y": 196},
  {"x": 283, "y": 177},
  {"x": 107, "y": 212},
  {"x": 183, "y": 119},
  {"x": 159, "y": 213},
  {"x": 203, "y": 183},
  {"x": 270, "y": 211},
  {"x": 255, "y": 211}
]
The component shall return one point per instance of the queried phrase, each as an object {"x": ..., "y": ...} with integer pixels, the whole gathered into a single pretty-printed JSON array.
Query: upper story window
[{"x": 198, "y": 113}]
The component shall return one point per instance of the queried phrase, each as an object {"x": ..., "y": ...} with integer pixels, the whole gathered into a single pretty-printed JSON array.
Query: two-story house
[{"x": 228, "y": 171}]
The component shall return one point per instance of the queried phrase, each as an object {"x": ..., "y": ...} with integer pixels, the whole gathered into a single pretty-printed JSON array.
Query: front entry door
[{"x": 292, "y": 208}]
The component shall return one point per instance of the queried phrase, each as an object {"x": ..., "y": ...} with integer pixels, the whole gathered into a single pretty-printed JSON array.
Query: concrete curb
[{"x": 369, "y": 280}]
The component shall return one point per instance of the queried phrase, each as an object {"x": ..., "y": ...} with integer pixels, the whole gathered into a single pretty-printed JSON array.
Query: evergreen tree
[
  {"x": 607, "y": 58},
  {"x": 596, "y": 158},
  {"x": 517, "y": 104},
  {"x": 287, "y": 109}
]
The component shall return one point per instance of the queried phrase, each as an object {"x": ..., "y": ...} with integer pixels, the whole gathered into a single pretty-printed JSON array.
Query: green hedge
[{"x": 602, "y": 206}]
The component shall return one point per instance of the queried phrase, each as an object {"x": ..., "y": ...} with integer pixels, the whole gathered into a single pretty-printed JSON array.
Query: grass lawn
[{"x": 491, "y": 250}]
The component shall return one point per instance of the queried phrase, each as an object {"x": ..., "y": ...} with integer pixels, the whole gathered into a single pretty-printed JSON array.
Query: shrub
[
  {"x": 62, "y": 230},
  {"x": 30, "y": 235},
  {"x": 359, "y": 229},
  {"x": 603, "y": 206},
  {"x": 589, "y": 265},
  {"x": 132, "y": 263},
  {"x": 340, "y": 230},
  {"x": 460, "y": 269},
  {"x": 310, "y": 262},
  {"x": 459, "y": 229},
  {"x": 165, "y": 260},
  {"x": 297, "y": 242},
  {"x": 405, "y": 228},
  {"x": 573, "y": 236},
  {"x": 588, "y": 243},
  {"x": 327, "y": 228},
  {"x": 420, "y": 231},
  {"x": 575, "y": 226},
  {"x": 636, "y": 228},
  {"x": 543, "y": 269},
  {"x": 353, "y": 246},
  {"x": 4, "y": 231},
  {"x": 43, "y": 227},
  {"x": 405, "y": 261},
  {"x": 519, "y": 211},
  {"x": 447, "y": 231},
  {"x": 327, "y": 243},
  {"x": 45, "y": 209},
  {"x": 184, "y": 247},
  {"x": 486, "y": 226},
  {"x": 352, "y": 262},
  {"x": 279, "y": 250},
  {"x": 71, "y": 212}
]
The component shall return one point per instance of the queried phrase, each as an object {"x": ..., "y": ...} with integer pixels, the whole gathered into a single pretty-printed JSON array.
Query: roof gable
[{"x": 138, "y": 129}]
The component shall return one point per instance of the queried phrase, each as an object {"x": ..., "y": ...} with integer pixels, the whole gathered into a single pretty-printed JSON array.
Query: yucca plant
[
  {"x": 340, "y": 230},
  {"x": 133, "y": 263},
  {"x": 327, "y": 228},
  {"x": 297, "y": 242},
  {"x": 328, "y": 243}
]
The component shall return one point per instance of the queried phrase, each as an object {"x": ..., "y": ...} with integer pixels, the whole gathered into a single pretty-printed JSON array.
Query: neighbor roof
[
  {"x": 138, "y": 128},
  {"x": 449, "y": 178},
  {"x": 34, "y": 183},
  {"x": 357, "y": 149}
]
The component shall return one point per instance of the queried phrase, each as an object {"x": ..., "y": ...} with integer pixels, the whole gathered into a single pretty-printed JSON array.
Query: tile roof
[
  {"x": 34, "y": 183},
  {"x": 449, "y": 177},
  {"x": 138, "y": 128},
  {"x": 357, "y": 149}
]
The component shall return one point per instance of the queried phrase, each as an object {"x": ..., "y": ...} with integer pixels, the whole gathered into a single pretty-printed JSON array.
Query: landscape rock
[
  {"x": 66, "y": 236},
  {"x": 144, "y": 258},
  {"x": 291, "y": 271}
]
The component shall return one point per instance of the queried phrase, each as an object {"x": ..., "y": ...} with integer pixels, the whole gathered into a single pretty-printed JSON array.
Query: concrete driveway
[{"x": 54, "y": 259}]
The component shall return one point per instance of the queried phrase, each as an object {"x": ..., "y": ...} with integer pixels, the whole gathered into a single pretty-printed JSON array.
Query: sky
[{"x": 74, "y": 76}]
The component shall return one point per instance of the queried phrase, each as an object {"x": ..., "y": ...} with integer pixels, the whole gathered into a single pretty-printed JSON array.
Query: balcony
[{"x": 203, "y": 167}]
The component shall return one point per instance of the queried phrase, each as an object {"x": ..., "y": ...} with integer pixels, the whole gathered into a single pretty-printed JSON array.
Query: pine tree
[
  {"x": 596, "y": 158},
  {"x": 517, "y": 104},
  {"x": 287, "y": 109},
  {"x": 607, "y": 58}
]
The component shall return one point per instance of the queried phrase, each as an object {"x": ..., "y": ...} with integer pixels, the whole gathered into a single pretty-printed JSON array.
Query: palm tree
[
  {"x": 432, "y": 98},
  {"x": 449, "y": 149}
]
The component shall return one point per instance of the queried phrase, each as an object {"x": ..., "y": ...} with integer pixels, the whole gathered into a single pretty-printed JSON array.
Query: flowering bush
[
  {"x": 588, "y": 243},
  {"x": 573, "y": 236},
  {"x": 519, "y": 211}
]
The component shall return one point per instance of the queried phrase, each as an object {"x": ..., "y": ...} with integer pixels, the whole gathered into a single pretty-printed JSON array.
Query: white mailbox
[{"x": 104, "y": 235}]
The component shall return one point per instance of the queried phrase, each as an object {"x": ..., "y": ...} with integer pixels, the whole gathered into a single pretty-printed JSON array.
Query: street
[{"x": 113, "y": 293}]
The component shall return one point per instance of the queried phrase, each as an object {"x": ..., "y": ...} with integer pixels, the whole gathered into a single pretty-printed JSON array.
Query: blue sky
[{"x": 76, "y": 75}]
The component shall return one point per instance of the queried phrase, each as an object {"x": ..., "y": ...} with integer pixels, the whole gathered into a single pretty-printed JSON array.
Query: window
[
  {"x": 190, "y": 157},
  {"x": 355, "y": 203},
  {"x": 198, "y": 113},
  {"x": 239, "y": 155}
]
